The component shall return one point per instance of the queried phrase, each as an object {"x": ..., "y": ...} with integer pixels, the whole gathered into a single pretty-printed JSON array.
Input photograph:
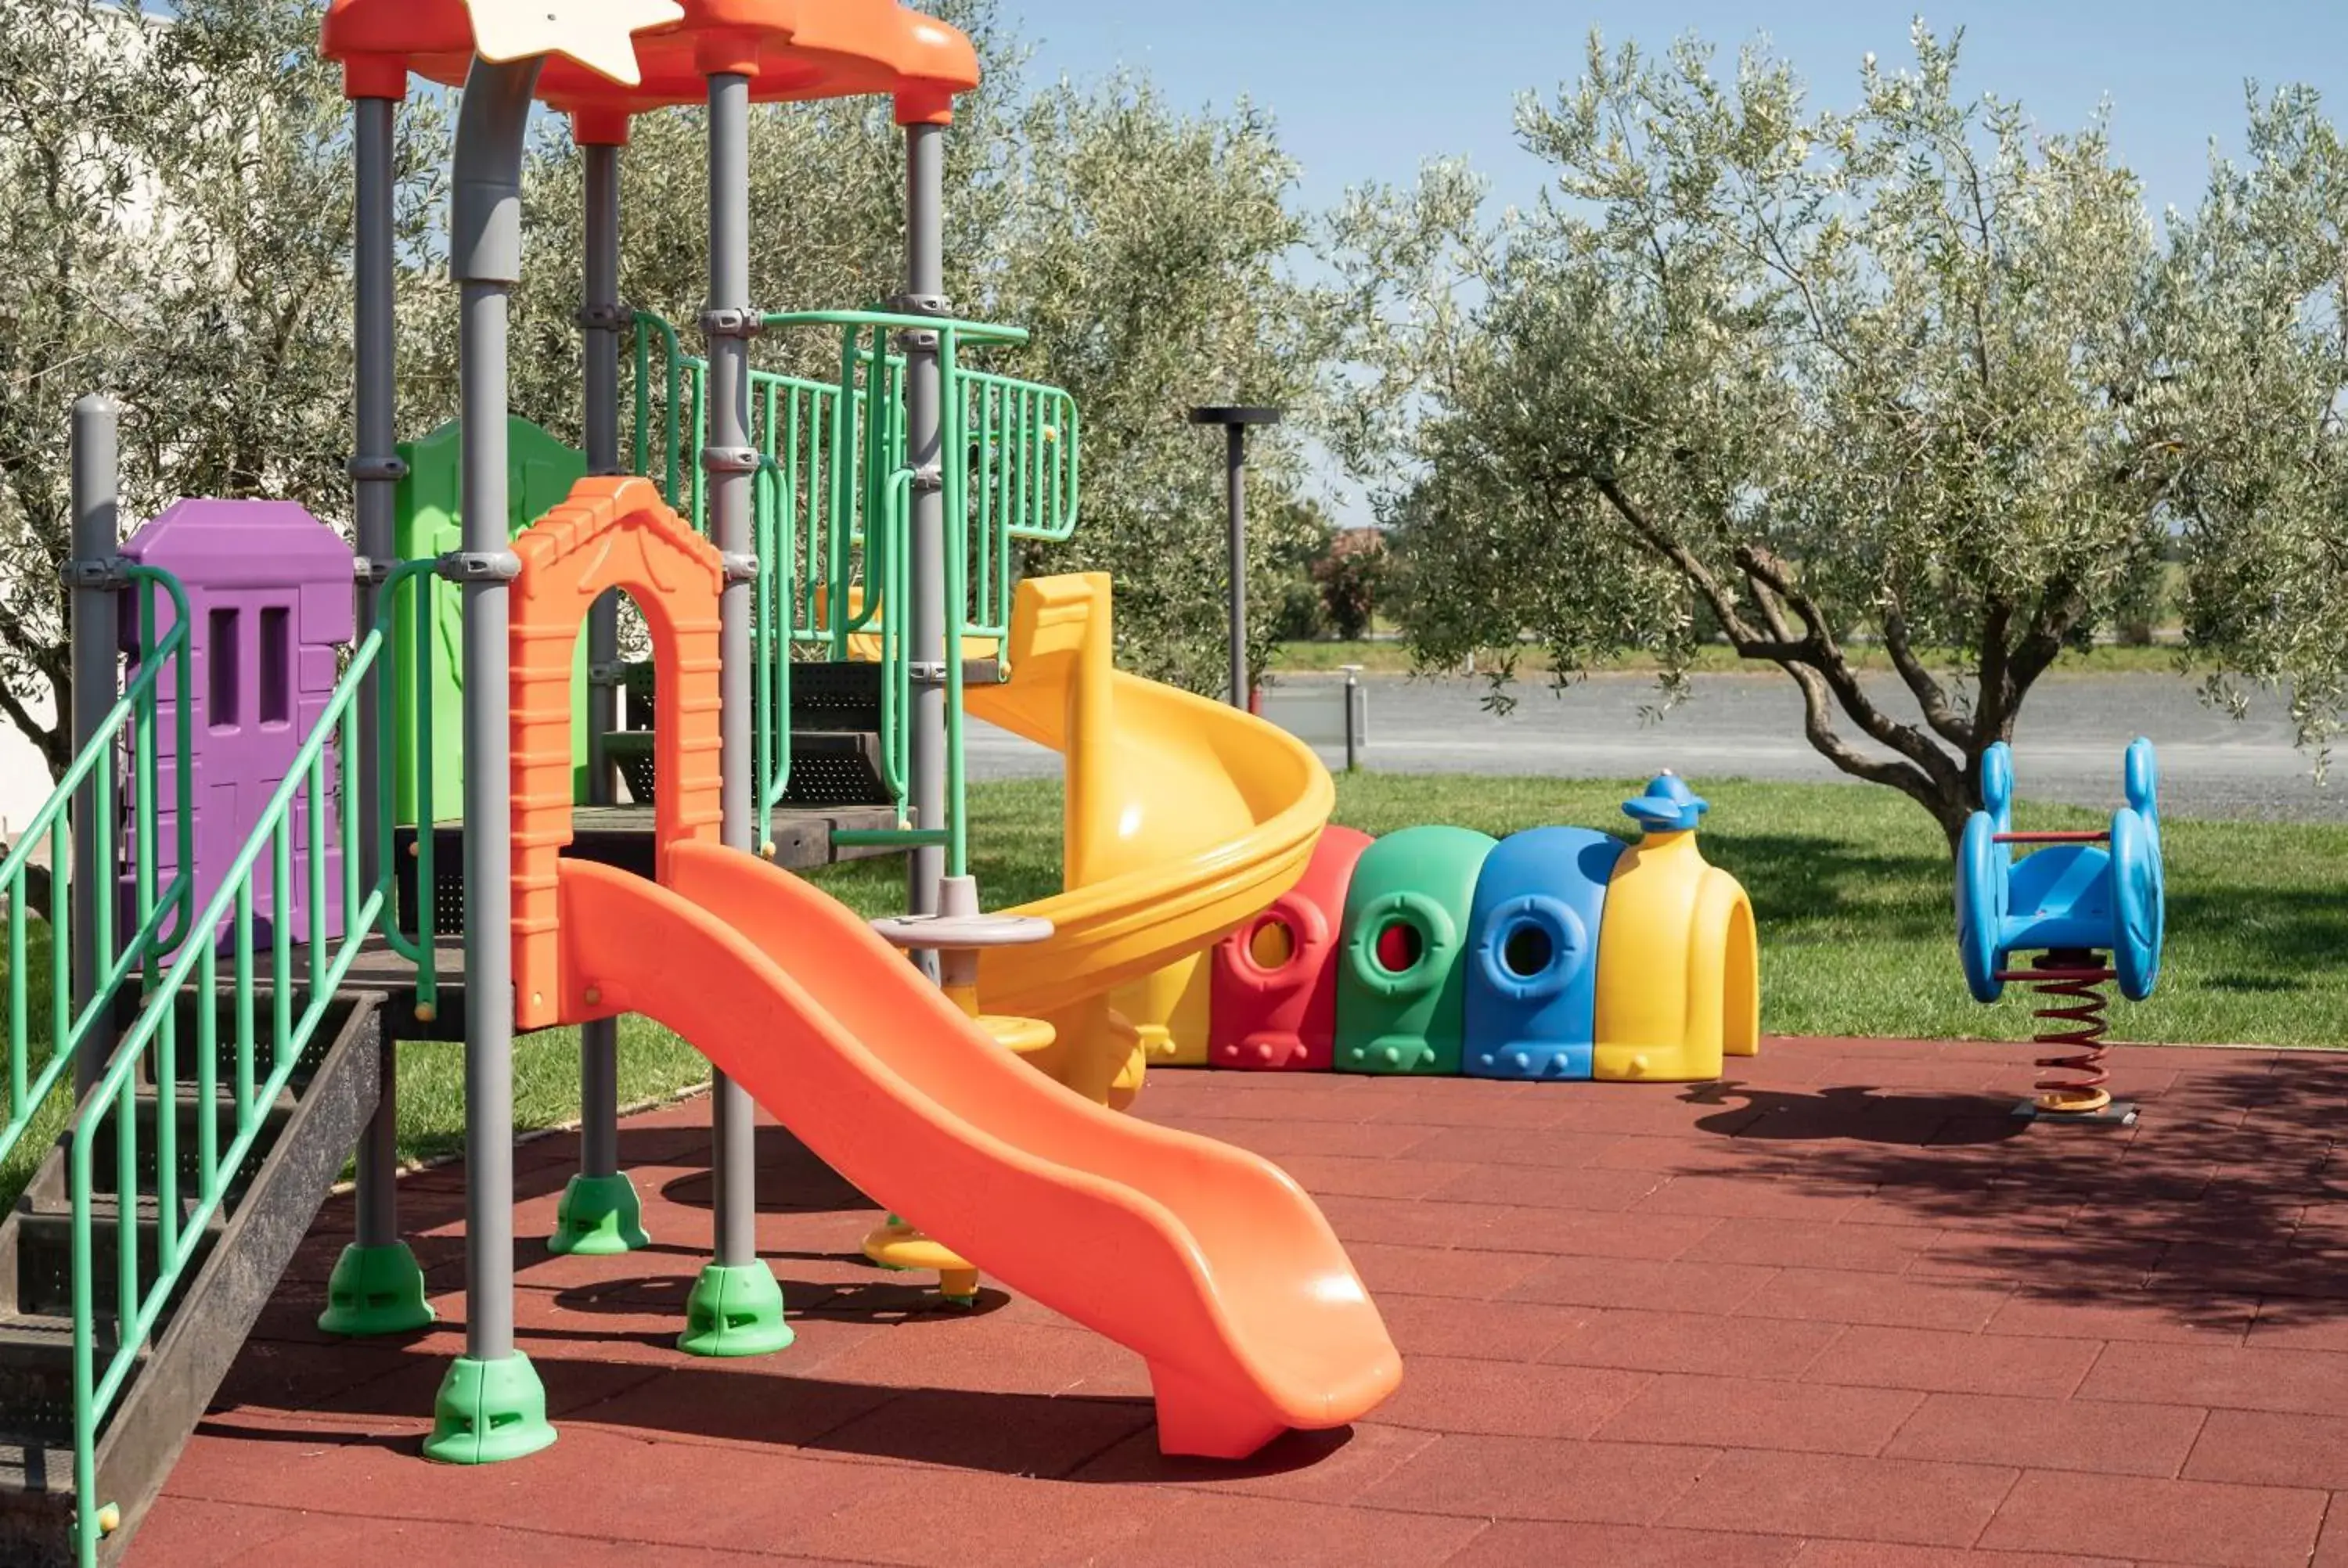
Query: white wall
[{"x": 23, "y": 776}]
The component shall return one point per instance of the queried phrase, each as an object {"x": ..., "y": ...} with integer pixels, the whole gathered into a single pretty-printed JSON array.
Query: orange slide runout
[{"x": 1210, "y": 1262}]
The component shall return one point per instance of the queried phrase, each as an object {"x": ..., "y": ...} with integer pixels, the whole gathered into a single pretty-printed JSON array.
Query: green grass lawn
[
  {"x": 1851, "y": 887},
  {"x": 1852, "y": 890}
]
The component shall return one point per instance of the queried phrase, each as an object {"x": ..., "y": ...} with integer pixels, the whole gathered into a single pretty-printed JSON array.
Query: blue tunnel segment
[{"x": 1532, "y": 938}]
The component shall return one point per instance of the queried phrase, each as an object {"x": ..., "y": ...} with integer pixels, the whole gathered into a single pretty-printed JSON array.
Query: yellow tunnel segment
[{"x": 1679, "y": 985}]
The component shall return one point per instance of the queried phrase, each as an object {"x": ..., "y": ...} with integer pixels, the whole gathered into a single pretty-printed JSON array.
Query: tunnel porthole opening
[
  {"x": 1399, "y": 947},
  {"x": 1271, "y": 945},
  {"x": 1528, "y": 950}
]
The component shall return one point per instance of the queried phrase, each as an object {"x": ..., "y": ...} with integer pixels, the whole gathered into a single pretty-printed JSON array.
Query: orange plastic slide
[{"x": 1210, "y": 1262}]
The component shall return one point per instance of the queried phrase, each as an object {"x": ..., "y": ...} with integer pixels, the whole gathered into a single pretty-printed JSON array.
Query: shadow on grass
[
  {"x": 1798, "y": 880},
  {"x": 2256, "y": 937}
]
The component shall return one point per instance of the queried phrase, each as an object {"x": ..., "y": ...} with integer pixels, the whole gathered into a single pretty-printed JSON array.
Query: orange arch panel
[{"x": 611, "y": 533}]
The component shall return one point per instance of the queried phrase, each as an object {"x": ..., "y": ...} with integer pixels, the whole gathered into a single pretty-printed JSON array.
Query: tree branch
[
  {"x": 2060, "y": 607},
  {"x": 49, "y": 738},
  {"x": 1822, "y": 654},
  {"x": 1817, "y": 727},
  {"x": 1996, "y": 709},
  {"x": 1931, "y": 698},
  {"x": 1816, "y": 663},
  {"x": 1684, "y": 560}
]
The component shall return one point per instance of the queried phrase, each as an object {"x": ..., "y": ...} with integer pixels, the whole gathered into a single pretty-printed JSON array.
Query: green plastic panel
[
  {"x": 541, "y": 472},
  {"x": 1401, "y": 979}
]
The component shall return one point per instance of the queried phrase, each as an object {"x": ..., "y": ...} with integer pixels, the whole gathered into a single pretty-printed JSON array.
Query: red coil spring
[{"x": 2077, "y": 978}]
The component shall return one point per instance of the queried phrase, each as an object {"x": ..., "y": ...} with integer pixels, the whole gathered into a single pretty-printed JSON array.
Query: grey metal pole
[
  {"x": 925, "y": 771},
  {"x": 1353, "y": 718},
  {"x": 491, "y": 1405},
  {"x": 376, "y": 1287},
  {"x": 600, "y": 1212},
  {"x": 599, "y": 1042},
  {"x": 735, "y": 1308},
  {"x": 96, "y": 539},
  {"x": 600, "y": 327},
  {"x": 1235, "y": 467},
  {"x": 376, "y": 472}
]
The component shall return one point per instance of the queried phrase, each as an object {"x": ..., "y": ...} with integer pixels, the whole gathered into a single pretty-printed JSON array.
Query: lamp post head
[{"x": 1228, "y": 413}]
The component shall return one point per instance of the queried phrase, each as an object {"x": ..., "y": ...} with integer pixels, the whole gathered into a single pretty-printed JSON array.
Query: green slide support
[{"x": 541, "y": 473}]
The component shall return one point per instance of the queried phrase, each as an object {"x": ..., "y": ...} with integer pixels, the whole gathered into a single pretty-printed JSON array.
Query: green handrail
[
  {"x": 423, "y": 950},
  {"x": 955, "y": 438},
  {"x": 674, "y": 363},
  {"x": 1021, "y": 437},
  {"x": 977, "y": 331},
  {"x": 153, "y": 1040},
  {"x": 774, "y": 623},
  {"x": 132, "y": 723},
  {"x": 896, "y": 668}
]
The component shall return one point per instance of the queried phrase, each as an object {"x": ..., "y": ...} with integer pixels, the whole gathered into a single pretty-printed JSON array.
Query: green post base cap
[
  {"x": 892, "y": 1267},
  {"x": 600, "y": 1216},
  {"x": 488, "y": 1412},
  {"x": 736, "y": 1309},
  {"x": 375, "y": 1290}
]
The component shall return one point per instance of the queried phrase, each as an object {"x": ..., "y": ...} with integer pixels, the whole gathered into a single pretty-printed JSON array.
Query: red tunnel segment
[{"x": 1283, "y": 1015}]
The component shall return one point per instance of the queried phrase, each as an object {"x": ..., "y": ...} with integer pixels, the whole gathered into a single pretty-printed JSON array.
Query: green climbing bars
[
  {"x": 833, "y": 512},
  {"x": 263, "y": 1062}
]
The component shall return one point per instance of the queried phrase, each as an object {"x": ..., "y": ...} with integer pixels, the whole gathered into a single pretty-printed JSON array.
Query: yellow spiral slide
[{"x": 1184, "y": 818}]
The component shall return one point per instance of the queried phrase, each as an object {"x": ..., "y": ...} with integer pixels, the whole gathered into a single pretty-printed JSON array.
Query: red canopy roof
[{"x": 792, "y": 51}]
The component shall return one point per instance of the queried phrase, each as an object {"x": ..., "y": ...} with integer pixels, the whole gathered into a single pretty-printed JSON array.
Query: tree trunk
[
  {"x": 1953, "y": 816},
  {"x": 38, "y": 887}
]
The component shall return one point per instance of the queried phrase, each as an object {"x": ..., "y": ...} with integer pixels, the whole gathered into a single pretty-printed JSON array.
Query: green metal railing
[
  {"x": 1020, "y": 439},
  {"x": 833, "y": 514},
  {"x": 322, "y": 778},
  {"x": 132, "y": 731},
  {"x": 677, "y": 406}
]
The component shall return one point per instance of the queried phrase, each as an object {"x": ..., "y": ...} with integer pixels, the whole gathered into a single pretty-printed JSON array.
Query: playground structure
[
  {"x": 1556, "y": 953},
  {"x": 2092, "y": 905},
  {"x": 824, "y": 568}
]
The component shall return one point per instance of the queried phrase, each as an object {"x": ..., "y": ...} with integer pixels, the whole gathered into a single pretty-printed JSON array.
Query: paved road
[{"x": 1749, "y": 727}]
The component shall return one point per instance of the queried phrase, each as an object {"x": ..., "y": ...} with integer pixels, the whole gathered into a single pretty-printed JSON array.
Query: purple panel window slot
[
  {"x": 223, "y": 656},
  {"x": 276, "y": 665}
]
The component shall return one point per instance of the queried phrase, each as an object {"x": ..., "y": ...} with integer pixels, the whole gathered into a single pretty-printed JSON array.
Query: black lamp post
[{"x": 1235, "y": 422}]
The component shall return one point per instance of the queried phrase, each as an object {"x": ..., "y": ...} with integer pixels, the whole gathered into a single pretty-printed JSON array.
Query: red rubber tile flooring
[{"x": 1845, "y": 1313}]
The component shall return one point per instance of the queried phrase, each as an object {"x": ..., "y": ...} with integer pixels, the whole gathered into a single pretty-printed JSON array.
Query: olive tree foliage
[
  {"x": 2257, "y": 291},
  {"x": 174, "y": 219},
  {"x": 1150, "y": 253},
  {"x": 1147, "y": 251},
  {"x": 1813, "y": 381}
]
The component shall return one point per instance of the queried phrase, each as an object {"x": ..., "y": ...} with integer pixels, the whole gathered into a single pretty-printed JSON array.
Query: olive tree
[
  {"x": 174, "y": 222},
  {"x": 1813, "y": 382},
  {"x": 2256, "y": 348}
]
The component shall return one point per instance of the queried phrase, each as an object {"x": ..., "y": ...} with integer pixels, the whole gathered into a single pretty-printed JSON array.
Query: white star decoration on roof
[{"x": 598, "y": 34}]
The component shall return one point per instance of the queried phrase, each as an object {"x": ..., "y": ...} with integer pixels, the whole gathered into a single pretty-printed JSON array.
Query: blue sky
[{"x": 1365, "y": 91}]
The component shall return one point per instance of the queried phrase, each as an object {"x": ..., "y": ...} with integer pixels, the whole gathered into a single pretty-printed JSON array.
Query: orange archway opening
[{"x": 611, "y": 533}]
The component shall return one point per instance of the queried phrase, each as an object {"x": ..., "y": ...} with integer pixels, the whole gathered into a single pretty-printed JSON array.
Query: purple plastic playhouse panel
[{"x": 269, "y": 592}]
